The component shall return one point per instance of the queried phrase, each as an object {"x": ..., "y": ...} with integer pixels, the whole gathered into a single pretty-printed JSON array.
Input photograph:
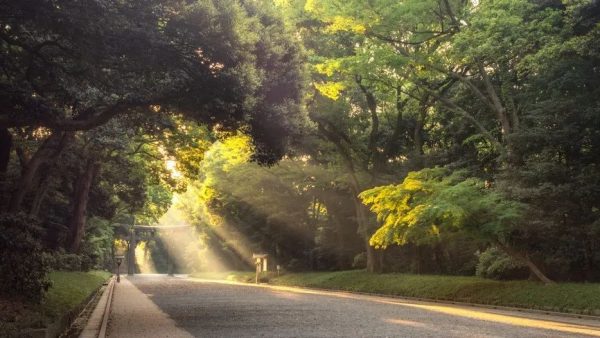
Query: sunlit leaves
[
  {"x": 431, "y": 202},
  {"x": 330, "y": 89},
  {"x": 342, "y": 23},
  {"x": 228, "y": 153},
  {"x": 329, "y": 67}
]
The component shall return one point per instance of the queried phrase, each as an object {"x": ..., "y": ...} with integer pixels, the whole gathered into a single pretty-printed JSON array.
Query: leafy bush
[
  {"x": 23, "y": 266},
  {"x": 496, "y": 264},
  {"x": 68, "y": 262},
  {"x": 61, "y": 261}
]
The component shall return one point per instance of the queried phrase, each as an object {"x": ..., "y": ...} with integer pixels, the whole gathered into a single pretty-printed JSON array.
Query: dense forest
[{"x": 455, "y": 137}]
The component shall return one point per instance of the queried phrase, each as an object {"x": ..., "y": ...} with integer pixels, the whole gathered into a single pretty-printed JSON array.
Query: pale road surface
[{"x": 161, "y": 306}]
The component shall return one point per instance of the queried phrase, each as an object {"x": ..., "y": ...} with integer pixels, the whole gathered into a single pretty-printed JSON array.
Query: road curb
[
  {"x": 106, "y": 315},
  {"x": 96, "y": 326}
]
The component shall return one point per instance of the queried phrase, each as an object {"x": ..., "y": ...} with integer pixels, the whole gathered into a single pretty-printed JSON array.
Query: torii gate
[{"x": 134, "y": 230}]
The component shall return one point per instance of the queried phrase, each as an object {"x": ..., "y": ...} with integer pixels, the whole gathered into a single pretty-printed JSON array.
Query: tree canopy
[{"x": 429, "y": 136}]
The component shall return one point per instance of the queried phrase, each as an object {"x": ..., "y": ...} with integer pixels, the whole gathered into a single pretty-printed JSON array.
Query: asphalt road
[{"x": 160, "y": 306}]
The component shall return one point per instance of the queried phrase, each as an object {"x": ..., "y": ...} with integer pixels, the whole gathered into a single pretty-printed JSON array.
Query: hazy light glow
[
  {"x": 186, "y": 245},
  {"x": 143, "y": 258},
  {"x": 171, "y": 166}
]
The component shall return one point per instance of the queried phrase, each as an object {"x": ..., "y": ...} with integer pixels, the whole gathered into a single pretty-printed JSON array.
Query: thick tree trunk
[
  {"x": 374, "y": 258},
  {"x": 25, "y": 182},
  {"x": 80, "y": 201},
  {"x": 527, "y": 261},
  {"x": 49, "y": 150},
  {"x": 5, "y": 148}
]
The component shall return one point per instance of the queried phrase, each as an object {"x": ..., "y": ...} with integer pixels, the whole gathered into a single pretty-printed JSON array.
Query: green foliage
[
  {"x": 496, "y": 264},
  {"x": 59, "y": 261},
  {"x": 22, "y": 264},
  {"x": 497, "y": 98},
  {"x": 68, "y": 293},
  {"x": 500, "y": 94},
  {"x": 431, "y": 202},
  {"x": 229, "y": 63}
]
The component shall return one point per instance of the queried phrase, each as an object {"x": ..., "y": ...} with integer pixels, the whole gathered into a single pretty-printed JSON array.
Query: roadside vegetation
[{"x": 67, "y": 292}]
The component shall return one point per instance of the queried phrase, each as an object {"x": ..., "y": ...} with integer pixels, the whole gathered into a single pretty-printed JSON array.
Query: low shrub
[
  {"x": 68, "y": 262},
  {"x": 61, "y": 261},
  {"x": 496, "y": 264},
  {"x": 23, "y": 265}
]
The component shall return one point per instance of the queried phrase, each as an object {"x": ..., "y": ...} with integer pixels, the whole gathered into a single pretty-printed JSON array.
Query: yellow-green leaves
[
  {"x": 330, "y": 89},
  {"x": 433, "y": 201},
  {"x": 343, "y": 23},
  {"x": 329, "y": 67},
  {"x": 230, "y": 152},
  {"x": 338, "y": 19}
]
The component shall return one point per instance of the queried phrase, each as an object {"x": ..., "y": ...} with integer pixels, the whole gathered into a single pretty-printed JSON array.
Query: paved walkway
[
  {"x": 159, "y": 306},
  {"x": 133, "y": 314}
]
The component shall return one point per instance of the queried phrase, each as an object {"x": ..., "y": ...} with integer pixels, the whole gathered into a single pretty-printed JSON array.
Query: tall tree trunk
[
  {"x": 328, "y": 130},
  {"x": 40, "y": 195},
  {"x": 50, "y": 149},
  {"x": 80, "y": 201},
  {"x": 372, "y": 107},
  {"x": 419, "y": 124},
  {"x": 374, "y": 261},
  {"x": 496, "y": 103},
  {"x": 5, "y": 148}
]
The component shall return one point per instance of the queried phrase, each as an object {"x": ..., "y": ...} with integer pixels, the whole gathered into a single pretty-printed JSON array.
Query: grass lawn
[
  {"x": 583, "y": 298},
  {"x": 68, "y": 290}
]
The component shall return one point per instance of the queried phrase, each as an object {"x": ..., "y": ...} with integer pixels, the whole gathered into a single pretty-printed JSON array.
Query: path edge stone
[{"x": 92, "y": 329}]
